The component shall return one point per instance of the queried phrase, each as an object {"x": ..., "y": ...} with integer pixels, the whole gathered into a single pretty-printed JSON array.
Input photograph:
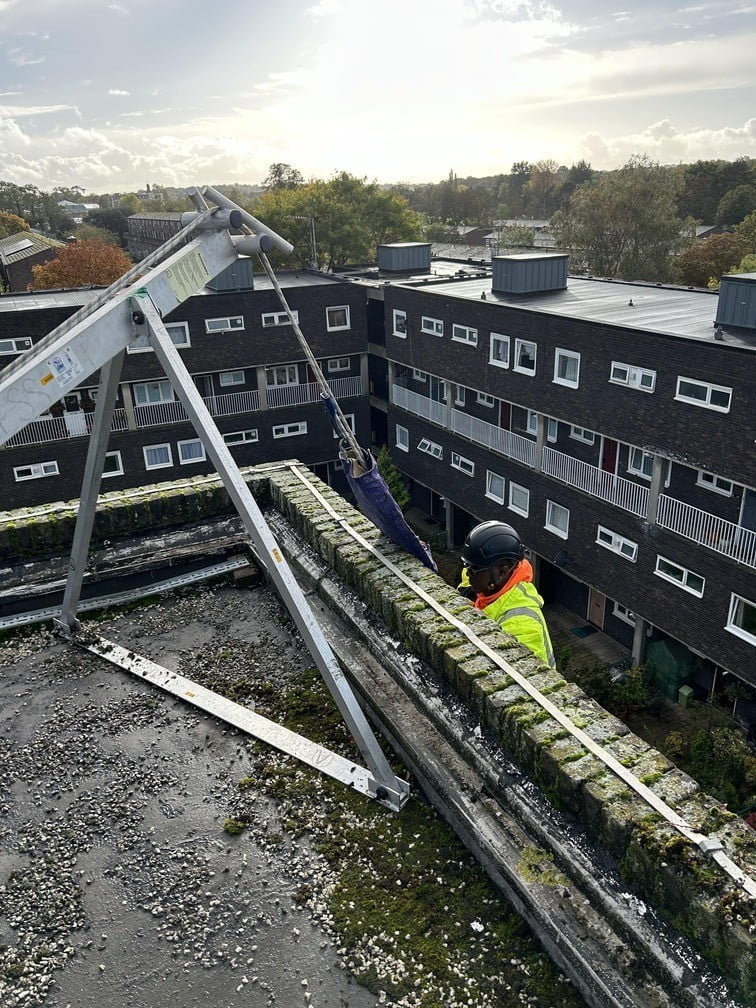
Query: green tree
[
  {"x": 623, "y": 224},
  {"x": 747, "y": 264},
  {"x": 708, "y": 259},
  {"x": 747, "y": 230},
  {"x": 517, "y": 237},
  {"x": 736, "y": 204},
  {"x": 115, "y": 221},
  {"x": 283, "y": 176},
  {"x": 393, "y": 479},
  {"x": 86, "y": 231},
  {"x": 130, "y": 204},
  {"x": 11, "y": 223},
  {"x": 542, "y": 190}
]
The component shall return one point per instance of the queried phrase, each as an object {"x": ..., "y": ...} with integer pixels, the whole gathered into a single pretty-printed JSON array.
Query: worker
[{"x": 497, "y": 574}]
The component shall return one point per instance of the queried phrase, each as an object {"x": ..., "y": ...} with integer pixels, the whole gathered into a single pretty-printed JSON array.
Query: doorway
[{"x": 596, "y": 608}]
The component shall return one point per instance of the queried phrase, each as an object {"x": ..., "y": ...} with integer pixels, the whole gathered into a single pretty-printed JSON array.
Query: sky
[{"x": 112, "y": 95}]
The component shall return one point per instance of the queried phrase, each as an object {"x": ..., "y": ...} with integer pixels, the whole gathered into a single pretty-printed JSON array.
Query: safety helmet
[{"x": 492, "y": 542}]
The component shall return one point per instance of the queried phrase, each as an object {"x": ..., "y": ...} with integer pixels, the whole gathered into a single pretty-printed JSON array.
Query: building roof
[{"x": 23, "y": 244}]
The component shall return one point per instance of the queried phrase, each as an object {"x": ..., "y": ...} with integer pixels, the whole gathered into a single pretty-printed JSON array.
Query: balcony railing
[
  {"x": 158, "y": 414},
  {"x": 297, "y": 395},
  {"x": 594, "y": 481},
  {"x": 716, "y": 534},
  {"x": 61, "y": 428},
  {"x": 419, "y": 405},
  {"x": 502, "y": 441}
]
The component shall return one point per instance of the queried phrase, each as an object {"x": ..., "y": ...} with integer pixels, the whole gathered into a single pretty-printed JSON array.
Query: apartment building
[{"x": 612, "y": 423}]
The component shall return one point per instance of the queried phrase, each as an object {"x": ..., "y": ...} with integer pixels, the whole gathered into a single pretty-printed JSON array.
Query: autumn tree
[
  {"x": 707, "y": 260},
  {"x": 11, "y": 223},
  {"x": 541, "y": 191},
  {"x": 81, "y": 264},
  {"x": 130, "y": 204},
  {"x": 623, "y": 224}
]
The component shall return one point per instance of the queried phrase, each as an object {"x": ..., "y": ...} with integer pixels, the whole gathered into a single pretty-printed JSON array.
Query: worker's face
[{"x": 485, "y": 580}]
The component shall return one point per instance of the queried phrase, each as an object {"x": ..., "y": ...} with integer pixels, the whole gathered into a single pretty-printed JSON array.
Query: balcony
[
  {"x": 707, "y": 530},
  {"x": 298, "y": 395},
  {"x": 606, "y": 486},
  {"x": 62, "y": 428},
  {"x": 421, "y": 406},
  {"x": 504, "y": 442}
]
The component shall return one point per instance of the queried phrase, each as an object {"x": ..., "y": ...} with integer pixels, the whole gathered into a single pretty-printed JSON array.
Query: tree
[
  {"x": 747, "y": 264},
  {"x": 747, "y": 230},
  {"x": 115, "y": 221},
  {"x": 81, "y": 264},
  {"x": 623, "y": 224},
  {"x": 542, "y": 190},
  {"x": 516, "y": 236},
  {"x": 86, "y": 231},
  {"x": 283, "y": 176},
  {"x": 709, "y": 259},
  {"x": 11, "y": 223},
  {"x": 393, "y": 479},
  {"x": 130, "y": 204},
  {"x": 736, "y": 204}
]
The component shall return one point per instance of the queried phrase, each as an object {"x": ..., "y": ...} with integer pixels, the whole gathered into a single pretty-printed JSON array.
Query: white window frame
[
  {"x": 178, "y": 332},
  {"x": 277, "y": 318},
  {"x": 399, "y": 323},
  {"x": 401, "y": 438},
  {"x": 460, "y": 394},
  {"x": 162, "y": 384},
  {"x": 737, "y": 602},
  {"x": 464, "y": 334},
  {"x": 643, "y": 379},
  {"x": 531, "y": 423},
  {"x": 35, "y": 470},
  {"x": 226, "y": 378},
  {"x": 552, "y": 430},
  {"x": 623, "y": 613},
  {"x": 336, "y": 364},
  {"x": 190, "y": 461},
  {"x": 294, "y": 429},
  {"x": 332, "y": 326},
  {"x": 617, "y": 543},
  {"x": 464, "y": 465},
  {"x": 432, "y": 448},
  {"x": 638, "y": 470},
  {"x": 433, "y": 326},
  {"x": 553, "y": 510},
  {"x": 513, "y": 505},
  {"x": 159, "y": 465},
  {"x": 418, "y": 375},
  {"x": 682, "y": 581},
  {"x": 10, "y": 345},
  {"x": 231, "y": 323},
  {"x": 566, "y": 358},
  {"x": 520, "y": 344},
  {"x": 499, "y": 339},
  {"x": 484, "y": 399},
  {"x": 581, "y": 434},
  {"x": 709, "y": 389},
  {"x": 241, "y": 437},
  {"x": 710, "y": 481},
  {"x": 289, "y": 371},
  {"x": 491, "y": 492},
  {"x": 118, "y": 471}
]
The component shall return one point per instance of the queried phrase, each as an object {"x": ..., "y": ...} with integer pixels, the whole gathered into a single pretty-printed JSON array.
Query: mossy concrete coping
[{"x": 662, "y": 867}]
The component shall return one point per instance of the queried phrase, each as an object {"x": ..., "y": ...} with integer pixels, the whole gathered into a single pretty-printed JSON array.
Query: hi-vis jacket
[{"x": 516, "y": 607}]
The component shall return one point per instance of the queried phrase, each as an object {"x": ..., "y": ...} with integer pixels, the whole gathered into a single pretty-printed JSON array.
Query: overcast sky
[{"x": 110, "y": 96}]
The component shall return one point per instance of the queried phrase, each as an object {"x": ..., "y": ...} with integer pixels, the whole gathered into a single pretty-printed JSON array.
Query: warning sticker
[
  {"x": 188, "y": 276},
  {"x": 65, "y": 367}
]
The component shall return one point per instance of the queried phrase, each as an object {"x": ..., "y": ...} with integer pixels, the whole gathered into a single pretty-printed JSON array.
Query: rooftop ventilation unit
[
  {"x": 529, "y": 273},
  {"x": 404, "y": 257},
  {"x": 238, "y": 276},
  {"x": 737, "y": 301}
]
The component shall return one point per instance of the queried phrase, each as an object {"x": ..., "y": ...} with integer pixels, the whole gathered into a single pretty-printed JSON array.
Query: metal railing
[
  {"x": 590, "y": 479},
  {"x": 706, "y": 529},
  {"x": 57, "y": 428},
  {"x": 419, "y": 405},
  {"x": 233, "y": 402},
  {"x": 504, "y": 442},
  {"x": 158, "y": 414},
  {"x": 297, "y": 395}
]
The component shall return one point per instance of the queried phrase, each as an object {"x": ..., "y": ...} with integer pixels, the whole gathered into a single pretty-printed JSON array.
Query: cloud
[
  {"x": 668, "y": 145},
  {"x": 118, "y": 9},
  {"x": 21, "y": 111},
  {"x": 22, "y": 57},
  {"x": 121, "y": 94}
]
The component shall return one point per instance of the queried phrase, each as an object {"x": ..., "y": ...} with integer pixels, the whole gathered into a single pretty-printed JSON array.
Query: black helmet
[{"x": 492, "y": 542}]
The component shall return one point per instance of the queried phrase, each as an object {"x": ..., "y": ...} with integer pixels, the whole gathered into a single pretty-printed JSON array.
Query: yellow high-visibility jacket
[{"x": 517, "y": 608}]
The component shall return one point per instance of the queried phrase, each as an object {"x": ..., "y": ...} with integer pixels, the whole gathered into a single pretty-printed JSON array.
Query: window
[
  {"x": 221, "y": 325},
  {"x": 337, "y": 318},
  {"x": 698, "y": 393},
  {"x": 277, "y": 318},
  {"x": 419, "y": 375},
  {"x": 231, "y": 378},
  {"x": 402, "y": 438},
  {"x": 465, "y": 465},
  {"x": 525, "y": 357},
  {"x": 640, "y": 463},
  {"x": 616, "y": 543},
  {"x": 178, "y": 332},
  {"x": 485, "y": 399},
  {"x": 519, "y": 499},
  {"x": 430, "y": 448},
  {"x": 113, "y": 464},
  {"x": 339, "y": 364},
  {"x": 495, "y": 486},
  {"x": 499, "y": 350},
  {"x": 742, "y": 618},
  {"x": 557, "y": 519},
  {"x": 241, "y": 437},
  {"x": 531, "y": 424},
  {"x": 686, "y": 579},
  {"x": 282, "y": 374},
  {"x": 433, "y": 326},
  {"x": 150, "y": 393},
  {"x": 623, "y": 613},
  {"x": 581, "y": 434},
  {"x": 11, "y": 346},
  {"x": 634, "y": 377},
  {"x": 459, "y": 395},
  {"x": 349, "y": 417},
  {"x": 552, "y": 429},
  {"x": 290, "y": 429},
  {"x": 157, "y": 456},
  {"x": 191, "y": 451},
  {"x": 715, "y": 483},
  {"x": 38, "y": 470},
  {"x": 400, "y": 323},
  {"x": 464, "y": 334},
  {"x": 566, "y": 368}
]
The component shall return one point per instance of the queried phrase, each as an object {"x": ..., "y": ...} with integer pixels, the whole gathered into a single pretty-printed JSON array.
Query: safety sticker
[
  {"x": 188, "y": 275},
  {"x": 65, "y": 367}
]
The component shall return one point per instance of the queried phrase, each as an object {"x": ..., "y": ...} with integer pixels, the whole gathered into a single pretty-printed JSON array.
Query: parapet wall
[{"x": 656, "y": 860}]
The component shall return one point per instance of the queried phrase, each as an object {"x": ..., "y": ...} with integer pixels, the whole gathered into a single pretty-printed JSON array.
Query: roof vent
[
  {"x": 404, "y": 257},
  {"x": 737, "y": 301},
  {"x": 238, "y": 276},
  {"x": 529, "y": 273}
]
